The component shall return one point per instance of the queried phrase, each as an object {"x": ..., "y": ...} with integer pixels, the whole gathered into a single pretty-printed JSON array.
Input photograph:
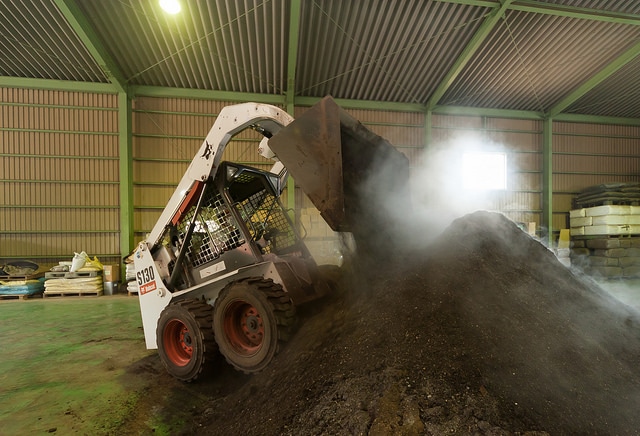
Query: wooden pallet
[
  {"x": 50, "y": 293},
  {"x": 20, "y": 296},
  {"x": 71, "y": 275},
  {"x": 35, "y": 276}
]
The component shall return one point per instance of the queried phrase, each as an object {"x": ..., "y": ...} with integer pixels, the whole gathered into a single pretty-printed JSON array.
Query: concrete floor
[
  {"x": 66, "y": 364},
  {"x": 78, "y": 365}
]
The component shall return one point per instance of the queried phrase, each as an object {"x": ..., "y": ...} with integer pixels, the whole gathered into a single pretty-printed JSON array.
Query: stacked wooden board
[{"x": 605, "y": 240}]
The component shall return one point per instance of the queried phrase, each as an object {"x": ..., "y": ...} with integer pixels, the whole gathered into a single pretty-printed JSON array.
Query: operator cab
[
  {"x": 254, "y": 196},
  {"x": 235, "y": 220}
]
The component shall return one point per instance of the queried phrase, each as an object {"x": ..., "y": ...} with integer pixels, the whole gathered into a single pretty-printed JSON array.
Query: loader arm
[{"x": 264, "y": 118}]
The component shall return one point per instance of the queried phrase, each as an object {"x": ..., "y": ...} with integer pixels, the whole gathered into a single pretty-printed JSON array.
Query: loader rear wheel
[
  {"x": 185, "y": 338},
  {"x": 251, "y": 316}
]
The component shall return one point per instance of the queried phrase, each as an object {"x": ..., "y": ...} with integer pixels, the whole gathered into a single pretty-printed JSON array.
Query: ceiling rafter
[
  {"x": 575, "y": 12},
  {"x": 467, "y": 54},
  {"x": 92, "y": 42},
  {"x": 596, "y": 79},
  {"x": 538, "y": 7},
  {"x": 53, "y": 84}
]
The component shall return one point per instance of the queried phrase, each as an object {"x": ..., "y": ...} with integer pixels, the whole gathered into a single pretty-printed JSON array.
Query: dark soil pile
[{"x": 483, "y": 332}]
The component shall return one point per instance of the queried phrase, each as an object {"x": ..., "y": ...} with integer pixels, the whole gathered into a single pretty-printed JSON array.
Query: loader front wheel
[
  {"x": 185, "y": 339},
  {"x": 250, "y": 317}
]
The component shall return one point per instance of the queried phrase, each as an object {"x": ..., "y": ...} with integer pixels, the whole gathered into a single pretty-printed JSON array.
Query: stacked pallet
[
  {"x": 21, "y": 286},
  {"x": 605, "y": 240},
  {"x": 73, "y": 283},
  {"x": 20, "y": 279},
  {"x": 610, "y": 220},
  {"x": 608, "y": 194}
]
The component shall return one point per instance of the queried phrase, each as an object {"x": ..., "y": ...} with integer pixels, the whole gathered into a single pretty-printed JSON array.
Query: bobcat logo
[{"x": 208, "y": 151}]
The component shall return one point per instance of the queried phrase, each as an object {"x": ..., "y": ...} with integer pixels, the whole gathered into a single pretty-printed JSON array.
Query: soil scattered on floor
[{"x": 482, "y": 332}]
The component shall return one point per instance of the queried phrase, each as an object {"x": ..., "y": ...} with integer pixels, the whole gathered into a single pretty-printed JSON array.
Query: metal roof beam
[
  {"x": 596, "y": 119},
  {"x": 364, "y": 104},
  {"x": 489, "y": 23},
  {"x": 488, "y": 112},
  {"x": 58, "y": 85},
  {"x": 538, "y": 7},
  {"x": 203, "y": 94},
  {"x": 92, "y": 42},
  {"x": 575, "y": 12},
  {"x": 594, "y": 81}
]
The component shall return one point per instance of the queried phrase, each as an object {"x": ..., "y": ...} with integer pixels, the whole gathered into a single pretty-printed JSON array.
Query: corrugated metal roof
[
  {"x": 36, "y": 41},
  {"x": 617, "y": 97},
  {"x": 221, "y": 45},
  {"x": 530, "y": 61},
  {"x": 620, "y": 6},
  {"x": 381, "y": 50}
]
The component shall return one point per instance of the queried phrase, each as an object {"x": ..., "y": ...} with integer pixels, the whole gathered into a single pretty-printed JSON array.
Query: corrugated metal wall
[
  {"x": 59, "y": 188},
  {"x": 591, "y": 154},
  {"x": 59, "y": 180}
]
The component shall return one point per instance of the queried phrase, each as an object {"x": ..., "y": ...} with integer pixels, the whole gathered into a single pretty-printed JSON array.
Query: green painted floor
[{"x": 66, "y": 364}]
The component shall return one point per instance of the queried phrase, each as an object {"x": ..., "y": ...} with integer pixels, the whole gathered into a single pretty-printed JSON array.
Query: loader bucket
[{"x": 346, "y": 170}]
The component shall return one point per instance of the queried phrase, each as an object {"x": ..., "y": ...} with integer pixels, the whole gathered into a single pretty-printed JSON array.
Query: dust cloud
[
  {"x": 437, "y": 194},
  {"x": 473, "y": 329},
  {"x": 557, "y": 351}
]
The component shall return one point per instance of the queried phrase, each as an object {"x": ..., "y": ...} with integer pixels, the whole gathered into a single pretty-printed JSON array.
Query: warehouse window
[{"x": 484, "y": 171}]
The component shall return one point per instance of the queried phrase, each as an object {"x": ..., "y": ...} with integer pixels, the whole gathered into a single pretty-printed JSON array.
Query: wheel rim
[
  {"x": 177, "y": 342},
  {"x": 244, "y": 327}
]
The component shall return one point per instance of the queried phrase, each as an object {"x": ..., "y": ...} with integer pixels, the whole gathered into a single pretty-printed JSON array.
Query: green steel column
[
  {"x": 292, "y": 59},
  {"x": 428, "y": 125},
  {"x": 126, "y": 173},
  {"x": 547, "y": 177}
]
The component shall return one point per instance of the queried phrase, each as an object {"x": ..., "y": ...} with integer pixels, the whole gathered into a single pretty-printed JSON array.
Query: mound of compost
[{"x": 482, "y": 332}]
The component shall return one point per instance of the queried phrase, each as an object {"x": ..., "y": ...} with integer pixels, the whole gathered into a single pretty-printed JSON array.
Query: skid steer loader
[{"x": 224, "y": 268}]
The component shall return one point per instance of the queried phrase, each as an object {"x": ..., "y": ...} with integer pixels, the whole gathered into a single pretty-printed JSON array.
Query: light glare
[
  {"x": 170, "y": 6},
  {"x": 484, "y": 171}
]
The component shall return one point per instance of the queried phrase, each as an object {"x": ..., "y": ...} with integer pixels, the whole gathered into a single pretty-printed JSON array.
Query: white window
[{"x": 484, "y": 171}]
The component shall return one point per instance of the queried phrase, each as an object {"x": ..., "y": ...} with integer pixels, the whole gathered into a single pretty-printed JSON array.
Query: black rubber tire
[
  {"x": 251, "y": 317},
  {"x": 185, "y": 338}
]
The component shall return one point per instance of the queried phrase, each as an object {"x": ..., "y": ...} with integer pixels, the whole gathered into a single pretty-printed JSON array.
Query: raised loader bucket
[{"x": 346, "y": 170}]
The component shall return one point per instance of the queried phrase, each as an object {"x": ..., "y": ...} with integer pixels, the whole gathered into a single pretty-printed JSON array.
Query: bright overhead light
[{"x": 170, "y": 6}]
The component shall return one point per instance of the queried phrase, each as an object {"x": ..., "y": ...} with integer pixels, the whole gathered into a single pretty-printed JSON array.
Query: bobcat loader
[{"x": 224, "y": 268}]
